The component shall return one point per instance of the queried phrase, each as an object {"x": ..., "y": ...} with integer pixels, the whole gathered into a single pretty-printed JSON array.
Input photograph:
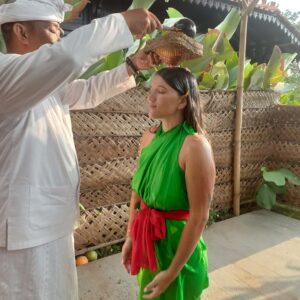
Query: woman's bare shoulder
[
  {"x": 196, "y": 145},
  {"x": 196, "y": 142}
]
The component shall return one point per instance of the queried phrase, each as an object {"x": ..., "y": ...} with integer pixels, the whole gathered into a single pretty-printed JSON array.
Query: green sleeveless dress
[{"x": 160, "y": 182}]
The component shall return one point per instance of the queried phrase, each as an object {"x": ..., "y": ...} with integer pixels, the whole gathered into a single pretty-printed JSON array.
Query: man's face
[{"x": 43, "y": 32}]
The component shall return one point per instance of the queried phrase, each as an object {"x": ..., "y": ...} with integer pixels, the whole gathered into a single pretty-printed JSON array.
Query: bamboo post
[{"x": 247, "y": 8}]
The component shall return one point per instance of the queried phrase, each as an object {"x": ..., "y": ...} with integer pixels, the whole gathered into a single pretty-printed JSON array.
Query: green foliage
[
  {"x": 109, "y": 250},
  {"x": 219, "y": 215},
  {"x": 108, "y": 62},
  {"x": 273, "y": 184},
  {"x": 290, "y": 91},
  {"x": 230, "y": 23},
  {"x": 217, "y": 69},
  {"x": 141, "y": 4},
  {"x": 2, "y": 44},
  {"x": 274, "y": 70},
  {"x": 174, "y": 13}
]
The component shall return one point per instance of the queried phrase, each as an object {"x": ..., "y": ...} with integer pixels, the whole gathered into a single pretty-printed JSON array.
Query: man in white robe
[{"x": 39, "y": 173}]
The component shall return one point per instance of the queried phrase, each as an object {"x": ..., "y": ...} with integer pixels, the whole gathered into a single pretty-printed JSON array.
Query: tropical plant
[
  {"x": 274, "y": 183},
  {"x": 290, "y": 89}
]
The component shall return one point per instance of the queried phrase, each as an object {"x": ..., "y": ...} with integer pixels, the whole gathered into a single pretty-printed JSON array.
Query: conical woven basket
[{"x": 173, "y": 47}]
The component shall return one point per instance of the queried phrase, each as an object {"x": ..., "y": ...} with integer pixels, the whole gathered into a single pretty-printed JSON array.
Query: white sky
[{"x": 292, "y": 5}]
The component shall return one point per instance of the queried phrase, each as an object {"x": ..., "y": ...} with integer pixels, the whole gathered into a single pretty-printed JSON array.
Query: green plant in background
[
  {"x": 290, "y": 91},
  {"x": 219, "y": 215},
  {"x": 274, "y": 183},
  {"x": 2, "y": 44}
]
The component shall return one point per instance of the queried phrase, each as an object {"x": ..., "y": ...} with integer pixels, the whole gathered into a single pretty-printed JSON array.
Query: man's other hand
[{"x": 141, "y": 21}]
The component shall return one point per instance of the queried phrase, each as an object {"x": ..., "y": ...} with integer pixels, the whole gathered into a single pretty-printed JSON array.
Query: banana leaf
[
  {"x": 174, "y": 13},
  {"x": 207, "y": 82},
  {"x": 198, "y": 65},
  {"x": 220, "y": 75},
  {"x": 223, "y": 49},
  {"x": 230, "y": 23},
  {"x": 248, "y": 71},
  {"x": 108, "y": 62},
  {"x": 141, "y": 4},
  {"x": 257, "y": 78},
  {"x": 275, "y": 69},
  {"x": 288, "y": 58}
]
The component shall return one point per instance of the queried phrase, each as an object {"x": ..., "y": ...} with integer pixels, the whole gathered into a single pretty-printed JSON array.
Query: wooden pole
[{"x": 246, "y": 10}]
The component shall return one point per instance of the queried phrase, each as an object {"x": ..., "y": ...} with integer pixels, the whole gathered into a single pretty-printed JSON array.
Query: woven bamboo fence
[{"x": 107, "y": 140}]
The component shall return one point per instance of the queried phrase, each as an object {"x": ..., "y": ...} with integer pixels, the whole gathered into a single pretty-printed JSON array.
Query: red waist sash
[{"x": 149, "y": 225}]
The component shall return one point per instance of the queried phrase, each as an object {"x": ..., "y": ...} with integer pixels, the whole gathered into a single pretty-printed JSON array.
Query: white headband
[{"x": 31, "y": 10}]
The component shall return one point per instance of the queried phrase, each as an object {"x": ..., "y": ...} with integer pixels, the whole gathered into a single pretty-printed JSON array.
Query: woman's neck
[{"x": 169, "y": 123}]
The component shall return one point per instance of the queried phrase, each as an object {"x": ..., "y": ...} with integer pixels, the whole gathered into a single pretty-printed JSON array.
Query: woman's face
[{"x": 163, "y": 101}]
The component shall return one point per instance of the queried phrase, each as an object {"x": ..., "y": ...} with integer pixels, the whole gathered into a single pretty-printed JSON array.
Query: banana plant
[
  {"x": 275, "y": 69},
  {"x": 274, "y": 183}
]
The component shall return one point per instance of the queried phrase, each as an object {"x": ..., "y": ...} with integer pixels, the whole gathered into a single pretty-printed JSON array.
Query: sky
[{"x": 292, "y": 5}]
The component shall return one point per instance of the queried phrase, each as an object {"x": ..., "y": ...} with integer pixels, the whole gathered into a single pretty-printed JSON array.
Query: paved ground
[{"x": 255, "y": 256}]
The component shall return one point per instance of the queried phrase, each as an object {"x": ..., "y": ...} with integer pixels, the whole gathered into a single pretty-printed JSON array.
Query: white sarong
[{"x": 46, "y": 272}]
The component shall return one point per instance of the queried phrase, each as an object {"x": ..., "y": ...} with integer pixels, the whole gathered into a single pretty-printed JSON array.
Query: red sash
[{"x": 149, "y": 225}]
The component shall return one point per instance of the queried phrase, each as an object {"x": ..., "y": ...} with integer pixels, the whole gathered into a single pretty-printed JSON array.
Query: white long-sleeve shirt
[{"x": 39, "y": 174}]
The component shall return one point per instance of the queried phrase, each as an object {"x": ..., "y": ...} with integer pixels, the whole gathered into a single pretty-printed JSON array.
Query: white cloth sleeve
[
  {"x": 27, "y": 79},
  {"x": 86, "y": 94}
]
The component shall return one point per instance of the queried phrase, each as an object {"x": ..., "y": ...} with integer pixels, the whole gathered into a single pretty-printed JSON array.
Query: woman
[{"x": 173, "y": 185}]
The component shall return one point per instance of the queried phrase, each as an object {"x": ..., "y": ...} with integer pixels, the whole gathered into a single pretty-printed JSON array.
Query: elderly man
[{"x": 39, "y": 174}]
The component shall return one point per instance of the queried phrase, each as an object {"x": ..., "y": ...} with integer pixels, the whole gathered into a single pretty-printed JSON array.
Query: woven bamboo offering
[{"x": 173, "y": 47}]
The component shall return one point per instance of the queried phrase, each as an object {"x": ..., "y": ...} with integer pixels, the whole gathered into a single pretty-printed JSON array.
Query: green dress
[{"x": 160, "y": 182}]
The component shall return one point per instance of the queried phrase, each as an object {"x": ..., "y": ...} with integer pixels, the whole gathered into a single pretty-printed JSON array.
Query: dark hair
[{"x": 184, "y": 82}]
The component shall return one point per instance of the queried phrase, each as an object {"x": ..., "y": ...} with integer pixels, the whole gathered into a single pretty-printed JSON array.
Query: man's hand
[
  {"x": 143, "y": 61},
  {"x": 141, "y": 21}
]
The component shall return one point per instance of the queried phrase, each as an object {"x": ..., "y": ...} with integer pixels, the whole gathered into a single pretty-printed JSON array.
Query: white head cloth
[{"x": 33, "y": 10}]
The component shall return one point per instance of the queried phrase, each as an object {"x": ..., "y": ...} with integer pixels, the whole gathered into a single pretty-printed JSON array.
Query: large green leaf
[
  {"x": 223, "y": 49},
  {"x": 198, "y": 65},
  {"x": 141, "y": 4},
  {"x": 114, "y": 59},
  {"x": 221, "y": 76},
  {"x": 209, "y": 41},
  {"x": 96, "y": 68},
  {"x": 230, "y": 23},
  {"x": 232, "y": 62},
  {"x": 288, "y": 58},
  {"x": 275, "y": 69},
  {"x": 273, "y": 176},
  {"x": 279, "y": 176},
  {"x": 257, "y": 77},
  {"x": 265, "y": 196},
  {"x": 174, "y": 13},
  {"x": 108, "y": 62},
  {"x": 290, "y": 176},
  {"x": 207, "y": 82},
  {"x": 248, "y": 70}
]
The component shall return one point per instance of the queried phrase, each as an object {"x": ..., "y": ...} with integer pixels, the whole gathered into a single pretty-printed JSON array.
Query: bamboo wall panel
[{"x": 107, "y": 140}]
